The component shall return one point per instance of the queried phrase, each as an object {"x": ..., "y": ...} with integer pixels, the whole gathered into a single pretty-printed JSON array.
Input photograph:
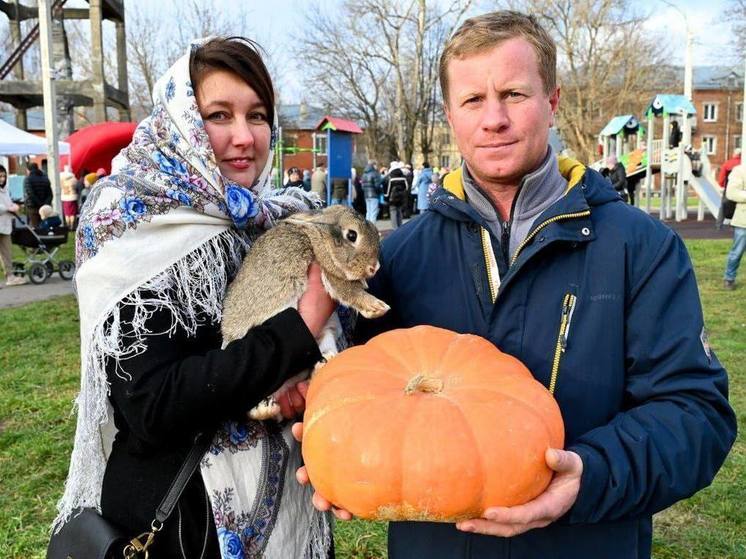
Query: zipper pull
[
  {"x": 567, "y": 309},
  {"x": 505, "y": 240}
]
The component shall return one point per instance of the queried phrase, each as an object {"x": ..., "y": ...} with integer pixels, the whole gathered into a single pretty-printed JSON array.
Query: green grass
[{"x": 39, "y": 378}]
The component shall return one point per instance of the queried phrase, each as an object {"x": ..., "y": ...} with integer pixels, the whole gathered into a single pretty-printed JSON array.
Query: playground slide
[{"x": 709, "y": 193}]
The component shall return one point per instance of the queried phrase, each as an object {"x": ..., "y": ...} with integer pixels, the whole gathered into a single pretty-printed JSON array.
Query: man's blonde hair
[{"x": 485, "y": 32}]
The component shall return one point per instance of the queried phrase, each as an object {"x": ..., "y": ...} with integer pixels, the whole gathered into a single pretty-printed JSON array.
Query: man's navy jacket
[{"x": 601, "y": 302}]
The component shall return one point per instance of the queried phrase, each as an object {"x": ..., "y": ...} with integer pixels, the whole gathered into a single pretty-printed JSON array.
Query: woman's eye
[
  {"x": 257, "y": 117},
  {"x": 217, "y": 116}
]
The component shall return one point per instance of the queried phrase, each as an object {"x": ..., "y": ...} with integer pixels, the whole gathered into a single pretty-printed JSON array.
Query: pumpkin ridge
[{"x": 320, "y": 413}]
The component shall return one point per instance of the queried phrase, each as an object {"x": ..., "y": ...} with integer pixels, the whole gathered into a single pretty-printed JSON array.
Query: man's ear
[
  {"x": 447, "y": 112},
  {"x": 554, "y": 99}
]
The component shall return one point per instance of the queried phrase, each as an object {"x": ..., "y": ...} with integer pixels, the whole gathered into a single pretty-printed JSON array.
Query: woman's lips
[{"x": 239, "y": 163}]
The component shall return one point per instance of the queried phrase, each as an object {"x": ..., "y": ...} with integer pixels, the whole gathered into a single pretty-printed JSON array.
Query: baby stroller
[{"x": 40, "y": 251}]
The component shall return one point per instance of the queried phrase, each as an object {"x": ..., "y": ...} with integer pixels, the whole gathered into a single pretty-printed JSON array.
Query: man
[
  {"x": 318, "y": 182},
  {"x": 371, "y": 181},
  {"x": 725, "y": 170},
  {"x": 396, "y": 189},
  {"x": 736, "y": 192},
  {"x": 596, "y": 298},
  {"x": 37, "y": 192}
]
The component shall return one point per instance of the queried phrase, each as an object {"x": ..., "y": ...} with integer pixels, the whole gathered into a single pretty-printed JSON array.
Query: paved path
[
  {"x": 22, "y": 294},
  {"x": 55, "y": 286}
]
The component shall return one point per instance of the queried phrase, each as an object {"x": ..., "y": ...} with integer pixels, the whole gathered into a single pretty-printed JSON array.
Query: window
[
  {"x": 710, "y": 112},
  {"x": 445, "y": 161},
  {"x": 319, "y": 143},
  {"x": 739, "y": 112},
  {"x": 737, "y": 142},
  {"x": 709, "y": 144}
]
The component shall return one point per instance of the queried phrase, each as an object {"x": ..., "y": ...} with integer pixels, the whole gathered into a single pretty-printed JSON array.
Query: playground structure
[
  {"x": 680, "y": 168},
  {"x": 339, "y": 149}
]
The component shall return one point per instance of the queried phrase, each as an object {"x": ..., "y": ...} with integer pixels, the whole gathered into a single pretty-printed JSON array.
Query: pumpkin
[{"x": 426, "y": 424}]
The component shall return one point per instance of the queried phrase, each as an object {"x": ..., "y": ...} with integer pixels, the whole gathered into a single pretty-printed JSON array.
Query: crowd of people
[{"x": 395, "y": 191}]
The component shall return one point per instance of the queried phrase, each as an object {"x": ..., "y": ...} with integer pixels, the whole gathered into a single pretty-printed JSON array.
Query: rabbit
[{"x": 273, "y": 277}]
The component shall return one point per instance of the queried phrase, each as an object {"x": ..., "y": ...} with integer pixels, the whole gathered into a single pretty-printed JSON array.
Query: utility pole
[{"x": 50, "y": 100}]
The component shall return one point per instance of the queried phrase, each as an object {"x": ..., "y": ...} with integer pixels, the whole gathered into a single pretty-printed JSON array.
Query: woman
[
  {"x": 69, "y": 198},
  {"x": 294, "y": 178},
  {"x": 157, "y": 244},
  {"x": 7, "y": 208}
]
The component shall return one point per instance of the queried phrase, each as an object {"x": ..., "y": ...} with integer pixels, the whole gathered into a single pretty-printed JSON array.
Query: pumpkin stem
[{"x": 421, "y": 383}]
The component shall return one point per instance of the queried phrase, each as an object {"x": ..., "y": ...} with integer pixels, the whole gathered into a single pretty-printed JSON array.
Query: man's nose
[{"x": 495, "y": 115}]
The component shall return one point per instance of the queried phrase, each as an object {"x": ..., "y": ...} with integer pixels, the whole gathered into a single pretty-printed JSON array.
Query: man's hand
[
  {"x": 302, "y": 476},
  {"x": 556, "y": 500}
]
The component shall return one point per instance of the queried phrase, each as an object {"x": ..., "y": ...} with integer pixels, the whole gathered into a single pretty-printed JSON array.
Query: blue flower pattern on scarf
[
  {"x": 230, "y": 544},
  {"x": 241, "y": 205}
]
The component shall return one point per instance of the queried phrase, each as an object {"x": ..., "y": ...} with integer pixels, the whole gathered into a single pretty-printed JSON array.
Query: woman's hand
[
  {"x": 293, "y": 401},
  {"x": 319, "y": 502},
  {"x": 315, "y": 305}
]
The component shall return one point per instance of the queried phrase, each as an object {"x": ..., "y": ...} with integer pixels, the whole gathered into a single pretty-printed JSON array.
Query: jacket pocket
[{"x": 568, "y": 309}]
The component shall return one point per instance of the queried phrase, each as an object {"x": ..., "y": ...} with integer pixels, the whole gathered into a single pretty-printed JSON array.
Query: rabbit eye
[{"x": 351, "y": 236}]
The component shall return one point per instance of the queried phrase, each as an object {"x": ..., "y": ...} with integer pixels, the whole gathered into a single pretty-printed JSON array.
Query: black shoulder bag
[{"x": 88, "y": 535}]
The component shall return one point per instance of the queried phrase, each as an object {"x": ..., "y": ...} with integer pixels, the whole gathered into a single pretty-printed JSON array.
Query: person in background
[
  {"x": 36, "y": 193},
  {"x": 340, "y": 191},
  {"x": 396, "y": 187},
  {"x": 423, "y": 184},
  {"x": 736, "y": 192},
  {"x": 294, "y": 178},
  {"x": 306, "y": 180},
  {"x": 7, "y": 209},
  {"x": 371, "y": 182},
  {"x": 49, "y": 220},
  {"x": 318, "y": 182},
  {"x": 617, "y": 176},
  {"x": 725, "y": 170},
  {"x": 69, "y": 198}
]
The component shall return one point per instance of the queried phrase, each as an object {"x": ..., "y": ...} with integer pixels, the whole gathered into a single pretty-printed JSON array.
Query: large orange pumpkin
[{"x": 426, "y": 424}]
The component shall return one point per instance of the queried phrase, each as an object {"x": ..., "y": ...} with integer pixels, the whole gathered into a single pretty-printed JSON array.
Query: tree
[
  {"x": 383, "y": 69},
  {"x": 735, "y": 13},
  {"x": 608, "y": 64}
]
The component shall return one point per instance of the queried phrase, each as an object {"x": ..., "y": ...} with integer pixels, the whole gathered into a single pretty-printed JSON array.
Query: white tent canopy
[{"x": 14, "y": 141}]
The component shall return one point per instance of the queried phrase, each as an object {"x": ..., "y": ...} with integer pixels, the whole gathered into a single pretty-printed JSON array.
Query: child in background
[{"x": 49, "y": 220}]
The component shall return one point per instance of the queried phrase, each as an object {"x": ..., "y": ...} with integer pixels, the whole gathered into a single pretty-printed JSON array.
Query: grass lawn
[{"x": 39, "y": 378}]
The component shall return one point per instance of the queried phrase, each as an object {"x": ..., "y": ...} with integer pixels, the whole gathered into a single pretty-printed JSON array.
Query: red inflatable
[{"x": 93, "y": 147}]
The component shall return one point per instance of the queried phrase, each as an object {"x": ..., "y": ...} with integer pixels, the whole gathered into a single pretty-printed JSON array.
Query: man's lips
[{"x": 497, "y": 145}]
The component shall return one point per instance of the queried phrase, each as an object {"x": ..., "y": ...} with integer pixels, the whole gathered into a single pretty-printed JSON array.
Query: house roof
[
  {"x": 339, "y": 125},
  {"x": 300, "y": 116},
  {"x": 717, "y": 77}
]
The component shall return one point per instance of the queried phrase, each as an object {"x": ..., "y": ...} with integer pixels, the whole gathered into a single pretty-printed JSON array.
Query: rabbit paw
[
  {"x": 266, "y": 409},
  {"x": 373, "y": 308}
]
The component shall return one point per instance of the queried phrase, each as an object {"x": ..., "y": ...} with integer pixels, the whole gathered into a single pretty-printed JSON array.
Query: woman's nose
[{"x": 242, "y": 134}]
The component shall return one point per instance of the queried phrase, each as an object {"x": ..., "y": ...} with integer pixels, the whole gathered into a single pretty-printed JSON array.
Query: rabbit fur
[{"x": 274, "y": 275}]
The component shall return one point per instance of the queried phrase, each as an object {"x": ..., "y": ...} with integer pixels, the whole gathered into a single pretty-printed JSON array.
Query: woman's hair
[
  {"x": 239, "y": 56},
  {"x": 2, "y": 170}
]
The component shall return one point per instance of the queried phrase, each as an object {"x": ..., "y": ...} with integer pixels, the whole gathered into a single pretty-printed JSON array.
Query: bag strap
[{"x": 139, "y": 546}]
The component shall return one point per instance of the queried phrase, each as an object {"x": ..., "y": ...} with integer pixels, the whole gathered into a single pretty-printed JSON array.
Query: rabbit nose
[{"x": 373, "y": 269}]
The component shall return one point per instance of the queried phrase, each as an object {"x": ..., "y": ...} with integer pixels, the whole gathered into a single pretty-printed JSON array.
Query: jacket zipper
[
  {"x": 568, "y": 308},
  {"x": 535, "y": 232},
  {"x": 493, "y": 273}
]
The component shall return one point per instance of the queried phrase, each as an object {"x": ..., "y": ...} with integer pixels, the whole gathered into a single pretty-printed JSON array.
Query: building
[
  {"x": 301, "y": 146},
  {"x": 717, "y": 93}
]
